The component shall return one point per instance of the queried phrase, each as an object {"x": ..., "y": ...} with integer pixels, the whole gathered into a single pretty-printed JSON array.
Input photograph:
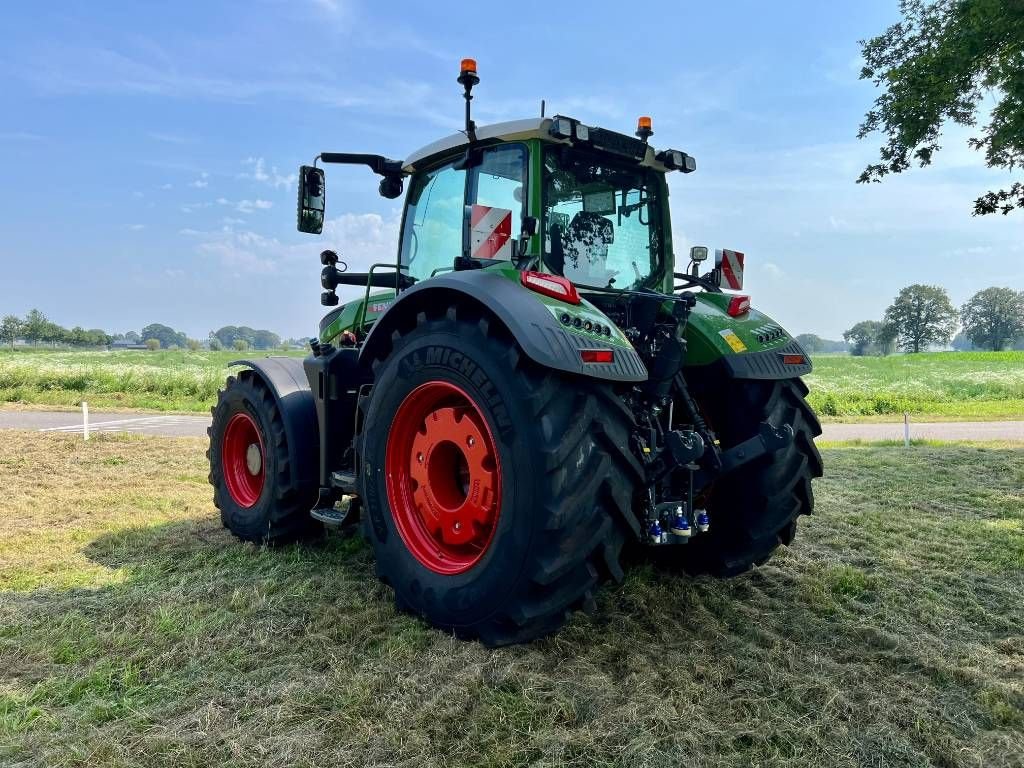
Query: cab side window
[
  {"x": 500, "y": 180},
  {"x": 432, "y": 233}
]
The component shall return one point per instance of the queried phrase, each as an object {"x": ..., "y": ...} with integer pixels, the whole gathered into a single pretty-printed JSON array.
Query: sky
[{"x": 148, "y": 151}]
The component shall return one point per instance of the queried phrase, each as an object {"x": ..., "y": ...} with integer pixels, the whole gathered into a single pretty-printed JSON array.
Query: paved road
[{"x": 182, "y": 426}]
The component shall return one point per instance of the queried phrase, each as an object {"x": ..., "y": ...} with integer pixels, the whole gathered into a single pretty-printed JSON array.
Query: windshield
[{"x": 601, "y": 221}]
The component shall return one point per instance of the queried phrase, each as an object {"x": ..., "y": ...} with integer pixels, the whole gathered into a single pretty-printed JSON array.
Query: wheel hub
[
  {"x": 253, "y": 459},
  {"x": 443, "y": 477}
]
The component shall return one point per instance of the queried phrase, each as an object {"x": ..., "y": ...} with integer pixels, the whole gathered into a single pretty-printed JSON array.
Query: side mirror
[{"x": 312, "y": 198}]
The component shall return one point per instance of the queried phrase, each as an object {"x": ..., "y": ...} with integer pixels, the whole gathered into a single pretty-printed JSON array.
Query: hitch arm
[{"x": 767, "y": 441}]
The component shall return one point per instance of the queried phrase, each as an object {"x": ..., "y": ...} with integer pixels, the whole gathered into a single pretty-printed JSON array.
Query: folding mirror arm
[
  {"x": 390, "y": 170},
  {"x": 379, "y": 164}
]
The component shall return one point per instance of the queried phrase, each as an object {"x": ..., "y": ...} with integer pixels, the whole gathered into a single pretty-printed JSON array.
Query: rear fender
[
  {"x": 751, "y": 346},
  {"x": 286, "y": 380},
  {"x": 532, "y": 321}
]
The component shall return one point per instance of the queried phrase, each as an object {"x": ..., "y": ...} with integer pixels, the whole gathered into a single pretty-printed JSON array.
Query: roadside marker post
[
  {"x": 85, "y": 419},
  {"x": 906, "y": 429}
]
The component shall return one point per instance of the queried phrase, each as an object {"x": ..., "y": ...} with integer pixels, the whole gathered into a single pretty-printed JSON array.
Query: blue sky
[{"x": 148, "y": 150}]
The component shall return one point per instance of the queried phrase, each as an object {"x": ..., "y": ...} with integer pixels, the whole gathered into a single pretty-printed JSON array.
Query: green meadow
[{"x": 939, "y": 385}]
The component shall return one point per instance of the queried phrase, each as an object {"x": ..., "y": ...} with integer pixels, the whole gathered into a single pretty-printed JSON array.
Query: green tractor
[{"x": 534, "y": 395}]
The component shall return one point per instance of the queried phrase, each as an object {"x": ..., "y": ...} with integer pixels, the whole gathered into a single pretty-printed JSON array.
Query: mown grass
[
  {"x": 940, "y": 385},
  {"x": 964, "y": 385},
  {"x": 171, "y": 380},
  {"x": 135, "y": 632}
]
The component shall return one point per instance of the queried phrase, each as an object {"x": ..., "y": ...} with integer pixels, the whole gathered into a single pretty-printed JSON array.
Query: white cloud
[
  {"x": 201, "y": 182},
  {"x": 136, "y": 227},
  {"x": 167, "y": 138},
  {"x": 168, "y": 185},
  {"x": 248, "y": 206},
  {"x": 273, "y": 178}
]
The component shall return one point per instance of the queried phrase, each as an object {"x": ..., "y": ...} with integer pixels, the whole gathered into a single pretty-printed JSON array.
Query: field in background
[
  {"x": 943, "y": 385},
  {"x": 172, "y": 380},
  {"x": 135, "y": 631}
]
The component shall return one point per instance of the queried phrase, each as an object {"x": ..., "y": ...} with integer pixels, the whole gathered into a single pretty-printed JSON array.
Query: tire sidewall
[
  {"x": 467, "y": 360},
  {"x": 249, "y": 522}
]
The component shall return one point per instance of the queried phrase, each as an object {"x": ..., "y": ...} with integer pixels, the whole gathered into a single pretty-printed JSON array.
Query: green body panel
[
  {"x": 351, "y": 315},
  {"x": 710, "y": 325}
]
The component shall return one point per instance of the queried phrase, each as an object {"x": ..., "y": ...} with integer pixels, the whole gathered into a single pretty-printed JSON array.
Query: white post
[
  {"x": 85, "y": 419},
  {"x": 906, "y": 429}
]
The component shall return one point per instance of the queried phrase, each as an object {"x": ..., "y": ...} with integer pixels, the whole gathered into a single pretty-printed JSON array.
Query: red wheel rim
[
  {"x": 243, "y": 460},
  {"x": 443, "y": 478}
]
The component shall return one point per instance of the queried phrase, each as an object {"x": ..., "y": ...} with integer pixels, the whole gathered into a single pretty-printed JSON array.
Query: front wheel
[
  {"x": 254, "y": 483},
  {"x": 494, "y": 489}
]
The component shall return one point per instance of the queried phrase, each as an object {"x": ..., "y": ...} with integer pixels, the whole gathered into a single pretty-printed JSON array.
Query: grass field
[
  {"x": 942, "y": 385},
  {"x": 135, "y": 632},
  {"x": 173, "y": 380},
  {"x": 963, "y": 385}
]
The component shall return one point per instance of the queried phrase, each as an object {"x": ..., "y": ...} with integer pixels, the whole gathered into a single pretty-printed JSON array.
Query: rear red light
[
  {"x": 738, "y": 305},
  {"x": 550, "y": 285},
  {"x": 597, "y": 355},
  {"x": 793, "y": 359}
]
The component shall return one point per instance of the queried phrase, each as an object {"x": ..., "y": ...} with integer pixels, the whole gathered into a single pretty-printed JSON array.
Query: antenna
[
  {"x": 468, "y": 78},
  {"x": 542, "y": 107}
]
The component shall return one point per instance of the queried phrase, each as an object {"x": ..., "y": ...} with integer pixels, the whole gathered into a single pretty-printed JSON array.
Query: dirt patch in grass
[{"x": 134, "y": 631}]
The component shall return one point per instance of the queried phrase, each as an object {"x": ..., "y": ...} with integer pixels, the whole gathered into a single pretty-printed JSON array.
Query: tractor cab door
[{"x": 453, "y": 211}]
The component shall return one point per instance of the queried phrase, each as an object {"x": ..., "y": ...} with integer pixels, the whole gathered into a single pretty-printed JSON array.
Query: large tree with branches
[{"x": 947, "y": 61}]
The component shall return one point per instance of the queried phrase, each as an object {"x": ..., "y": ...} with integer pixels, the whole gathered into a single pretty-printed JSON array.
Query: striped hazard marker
[
  {"x": 731, "y": 264},
  {"x": 491, "y": 232}
]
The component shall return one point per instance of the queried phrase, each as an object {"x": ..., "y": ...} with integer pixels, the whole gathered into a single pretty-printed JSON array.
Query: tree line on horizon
[
  {"x": 922, "y": 316},
  {"x": 36, "y": 328}
]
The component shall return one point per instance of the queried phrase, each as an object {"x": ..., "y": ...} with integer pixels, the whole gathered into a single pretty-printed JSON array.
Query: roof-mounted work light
[{"x": 677, "y": 160}]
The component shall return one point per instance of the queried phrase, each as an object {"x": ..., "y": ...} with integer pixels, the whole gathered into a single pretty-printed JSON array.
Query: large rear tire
[
  {"x": 254, "y": 485},
  {"x": 755, "y": 509},
  {"x": 495, "y": 491}
]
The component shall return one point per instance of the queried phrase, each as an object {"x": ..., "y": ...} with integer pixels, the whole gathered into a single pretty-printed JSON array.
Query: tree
[
  {"x": 811, "y": 342},
  {"x": 863, "y": 337},
  {"x": 34, "y": 327},
  {"x": 922, "y": 315},
  {"x": 166, "y": 335},
  {"x": 215, "y": 344},
  {"x": 241, "y": 345},
  {"x": 10, "y": 328},
  {"x": 994, "y": 317},
  {"x": 961, "y": 343},
  {"x": 152, "y": 344},
  {"x": 947, "y": 61},
  {"x": 193, "y": 345}
]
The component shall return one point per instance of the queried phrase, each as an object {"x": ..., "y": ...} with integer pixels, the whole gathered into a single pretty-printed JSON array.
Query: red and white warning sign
[
  {"x": 731, "y": 264},
  {"x": 490, "y": 232}
]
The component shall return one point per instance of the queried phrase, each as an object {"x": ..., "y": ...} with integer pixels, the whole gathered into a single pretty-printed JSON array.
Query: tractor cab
[{"x": 579, "y": 203}]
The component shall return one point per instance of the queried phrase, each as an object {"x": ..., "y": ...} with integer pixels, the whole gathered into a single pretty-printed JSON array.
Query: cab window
[{"x": 432, "y": 233}]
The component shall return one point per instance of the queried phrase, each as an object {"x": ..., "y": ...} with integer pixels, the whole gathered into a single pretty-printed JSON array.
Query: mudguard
[
  {"x": 286, "y": 379},
  {"x": 751, "y": 346},
  {"x": 533, "y": 321}
]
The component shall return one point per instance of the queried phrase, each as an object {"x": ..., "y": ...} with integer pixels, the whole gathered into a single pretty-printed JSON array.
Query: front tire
[
  {"x": 254, "y": 485},
  {"x": 500, "y": 539}
]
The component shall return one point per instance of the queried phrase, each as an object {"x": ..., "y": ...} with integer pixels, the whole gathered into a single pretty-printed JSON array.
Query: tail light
[
  {"x": 597, "y": 355},
  {"x": 550, "y": 285},
  {"x": 738, "y": 305}
]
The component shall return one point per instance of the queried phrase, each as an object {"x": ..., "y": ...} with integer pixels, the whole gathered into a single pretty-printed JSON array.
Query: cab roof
[{"x": 512, "y": 130}]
